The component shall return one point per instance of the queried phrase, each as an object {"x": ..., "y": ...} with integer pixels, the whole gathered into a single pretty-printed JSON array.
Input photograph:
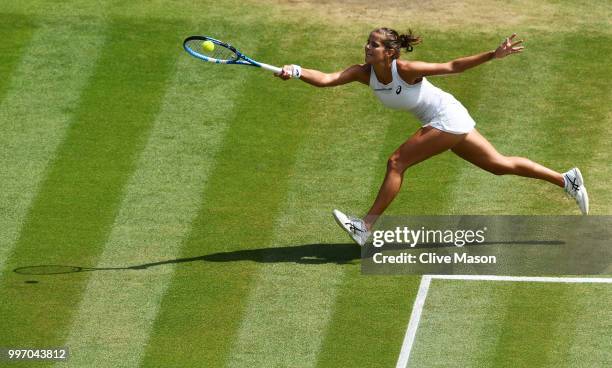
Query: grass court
[{"x": 120, "y": 150}]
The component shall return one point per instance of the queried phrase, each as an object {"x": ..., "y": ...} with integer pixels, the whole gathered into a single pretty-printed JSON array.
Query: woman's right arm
[{"x": 354, "y": 73}]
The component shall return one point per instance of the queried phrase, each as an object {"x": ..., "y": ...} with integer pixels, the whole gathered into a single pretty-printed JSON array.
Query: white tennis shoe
[
  {"x": 574, "y": 187},
  {"x": 355, "y": 227}
]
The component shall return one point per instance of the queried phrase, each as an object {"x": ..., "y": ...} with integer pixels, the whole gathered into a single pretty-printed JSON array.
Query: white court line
[
  {"x": 417, "y": 309},
  {"x": 585, "y": 280},
  {"x": 415, "y": 317}
]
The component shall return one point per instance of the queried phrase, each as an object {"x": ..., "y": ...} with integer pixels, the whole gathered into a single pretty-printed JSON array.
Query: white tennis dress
[{"x": 432, "y": 106}]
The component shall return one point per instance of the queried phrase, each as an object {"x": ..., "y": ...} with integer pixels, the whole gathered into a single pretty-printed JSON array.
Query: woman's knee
[
  {"x": 501, "y": 166},
  {"x": 397, "y": 163}
]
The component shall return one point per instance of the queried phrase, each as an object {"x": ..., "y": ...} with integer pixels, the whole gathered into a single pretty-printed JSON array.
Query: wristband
[{"x": 296, "y": 71}]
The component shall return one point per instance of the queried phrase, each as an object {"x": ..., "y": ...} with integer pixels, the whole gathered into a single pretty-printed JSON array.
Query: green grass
[
  {"x": 509, "y": 324},
  {"x": 247, "y": 268},
  {"x": 76, "y": 203},
  {"x": 17, "y": 32}
]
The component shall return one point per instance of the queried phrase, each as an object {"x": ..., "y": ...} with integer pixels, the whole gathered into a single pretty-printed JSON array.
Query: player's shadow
[
  {"x": 337, "y": 253},
  {"x": 304, "y": 254}
]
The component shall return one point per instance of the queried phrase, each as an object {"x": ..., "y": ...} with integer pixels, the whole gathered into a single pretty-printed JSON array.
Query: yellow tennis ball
[{"x": 208, "y": 45}]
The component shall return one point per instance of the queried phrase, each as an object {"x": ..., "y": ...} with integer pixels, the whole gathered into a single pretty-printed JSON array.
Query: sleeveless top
[{"x": 422, "y": 99}]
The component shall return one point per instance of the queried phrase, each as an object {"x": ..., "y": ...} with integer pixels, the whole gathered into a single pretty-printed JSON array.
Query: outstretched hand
[
  {"x": 286, "y": 72},
  {"x": 507, "y": 47}
]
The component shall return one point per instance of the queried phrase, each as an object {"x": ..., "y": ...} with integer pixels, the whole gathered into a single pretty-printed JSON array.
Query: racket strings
[
  {"x": 223, "y": 53},
  {"x": 220, "y": 52}
]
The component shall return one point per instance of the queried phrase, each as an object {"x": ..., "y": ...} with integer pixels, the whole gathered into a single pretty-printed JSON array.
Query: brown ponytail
[
  {"x": 395, "y": 41},
  {"x": 407, "y": 40}
]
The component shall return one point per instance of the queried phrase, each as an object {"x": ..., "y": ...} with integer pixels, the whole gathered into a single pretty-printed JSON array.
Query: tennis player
[{"x": 446, "y": 124}]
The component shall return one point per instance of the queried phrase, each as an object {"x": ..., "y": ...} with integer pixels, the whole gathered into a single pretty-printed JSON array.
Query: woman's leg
[
  {"x": 425, "y": 143},
  {"x": 476, "y": 149}
]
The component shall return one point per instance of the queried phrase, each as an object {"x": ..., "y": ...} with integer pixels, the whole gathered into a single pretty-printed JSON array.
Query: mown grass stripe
[
  {"x": 539, "y": 326},
  {"x": 591, "y": 339},
  {"x": 74, "y": 209},
  {"x": 37, "y": 111},
  {"x": 291, "y": 303},
  {"x": 582, "y": 127},
  {"x": 286, "y": 316},
  {"x": 158, "y": 206},
  {"x": 16, "y": 32},
  {"x": 241, "y": 199},
  {"x": 580, "y": 124},
  {"x": 583, "y": 130}
]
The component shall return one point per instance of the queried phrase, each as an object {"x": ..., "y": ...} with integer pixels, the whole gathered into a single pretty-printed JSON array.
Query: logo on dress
[{"x": 398, "y": 90}]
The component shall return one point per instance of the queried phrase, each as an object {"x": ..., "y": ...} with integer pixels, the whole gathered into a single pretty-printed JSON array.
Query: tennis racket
[{"x": 222, "y": 53}]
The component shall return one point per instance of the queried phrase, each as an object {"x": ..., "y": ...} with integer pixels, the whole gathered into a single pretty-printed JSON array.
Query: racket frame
[{"x": 240, "y": 59}]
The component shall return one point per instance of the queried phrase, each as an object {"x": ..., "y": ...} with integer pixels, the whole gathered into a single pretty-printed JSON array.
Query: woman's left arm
[
  {"x": 459, "y": 65},
  {"x": 506, "y": 48}
]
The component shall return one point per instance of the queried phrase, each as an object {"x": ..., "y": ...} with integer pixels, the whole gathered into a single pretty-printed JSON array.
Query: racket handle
[{"x": 274, "y": 69}]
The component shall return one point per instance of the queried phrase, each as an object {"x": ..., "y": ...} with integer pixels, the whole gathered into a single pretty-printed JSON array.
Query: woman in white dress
[{"x": 446, "y": 124}]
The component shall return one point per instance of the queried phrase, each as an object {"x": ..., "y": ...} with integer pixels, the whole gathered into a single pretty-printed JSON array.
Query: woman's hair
[{"x": 395, "y": 41}]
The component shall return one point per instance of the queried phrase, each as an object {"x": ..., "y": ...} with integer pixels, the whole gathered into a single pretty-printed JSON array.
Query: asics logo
[
  {"x": 573, "y": 183},
  {"x": 353, "y": 228},
  {"x": 398, "y": 90}
]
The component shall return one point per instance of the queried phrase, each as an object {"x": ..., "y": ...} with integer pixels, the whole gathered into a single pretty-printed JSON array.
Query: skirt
[{"x": 453, "y": 118}]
